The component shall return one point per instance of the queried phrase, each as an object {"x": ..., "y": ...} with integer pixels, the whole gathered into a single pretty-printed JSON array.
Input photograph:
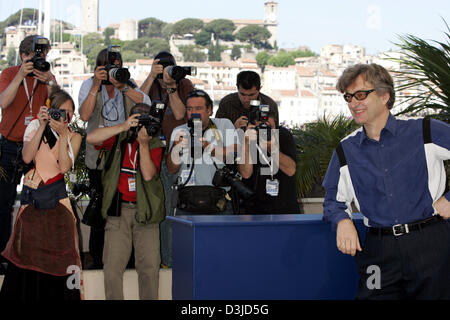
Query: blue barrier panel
[{"x": 267, "y": 257}]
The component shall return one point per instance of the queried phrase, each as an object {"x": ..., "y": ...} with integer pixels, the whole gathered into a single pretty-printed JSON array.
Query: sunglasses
[
  {"x": 359, "y": 95},
  {"x": 196, "y": 93}
]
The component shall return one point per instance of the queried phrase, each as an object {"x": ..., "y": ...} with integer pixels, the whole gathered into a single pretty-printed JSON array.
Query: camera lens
[
  {"x": 41, "y": 65},
  {"x": 122, "y": 75}
]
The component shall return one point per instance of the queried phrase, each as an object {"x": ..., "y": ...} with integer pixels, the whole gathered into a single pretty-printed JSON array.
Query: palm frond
[
  {"x": 426, "y": 72},
  {"x": 315, "y": 145}
]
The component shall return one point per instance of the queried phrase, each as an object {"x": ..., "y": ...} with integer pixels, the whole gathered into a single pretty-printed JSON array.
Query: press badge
[
  {"x": 28, "y": 120},
  {"x": 72, "y": 177},
  {"x": 131, "y": 184},
  {"x": 272, "y": 187},
  {"x": 185, "y": 175}
]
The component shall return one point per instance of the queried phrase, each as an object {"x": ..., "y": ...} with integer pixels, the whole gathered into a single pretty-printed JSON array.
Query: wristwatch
[
  {"x": 51, "y": 83},
  {"x": 124, "y": 89},
  {"x": 171, "y": 90}
]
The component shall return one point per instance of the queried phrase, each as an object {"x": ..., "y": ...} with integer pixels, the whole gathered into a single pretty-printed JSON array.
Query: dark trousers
[
  {"x": 97, "y": 231},
  {"x": 11, "y": 169},
  {"x": 410, "y": 266}
]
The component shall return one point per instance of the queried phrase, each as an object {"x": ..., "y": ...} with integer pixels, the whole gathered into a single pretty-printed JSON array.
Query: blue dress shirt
[{"x": 391, "y": 181}]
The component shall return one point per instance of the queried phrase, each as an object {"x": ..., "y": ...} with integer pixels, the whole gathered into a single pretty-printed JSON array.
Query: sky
[{"x": 373, "y": 24}]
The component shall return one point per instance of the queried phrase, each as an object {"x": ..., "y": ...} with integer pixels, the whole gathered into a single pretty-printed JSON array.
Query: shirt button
[{"x": 386, "y": 170}]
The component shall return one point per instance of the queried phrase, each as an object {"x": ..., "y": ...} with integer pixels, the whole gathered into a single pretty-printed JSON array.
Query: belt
[
  {"x": 401, "y": 229},
  {"x": 128, "y": 202}
]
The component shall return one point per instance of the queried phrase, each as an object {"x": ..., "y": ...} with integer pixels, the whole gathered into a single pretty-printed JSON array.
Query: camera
[
  {"x": 57, "y": 114},
  {"x": 225, "y": 177},
  {"x": 152, "y": 121},
  {"x": 177, "y": 73},
  {"x": 114, "y": 71},
  {"x": 40, "y": 45},
  {"x": 91, "y": 216},
  {"x": 260, "y": 112}
]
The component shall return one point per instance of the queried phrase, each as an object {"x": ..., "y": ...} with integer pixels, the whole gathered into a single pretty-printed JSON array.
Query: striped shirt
[{"x": 394, "y": 180}]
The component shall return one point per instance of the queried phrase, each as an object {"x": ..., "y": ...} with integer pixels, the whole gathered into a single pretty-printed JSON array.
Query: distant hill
[{"x": 29, "y": 17}]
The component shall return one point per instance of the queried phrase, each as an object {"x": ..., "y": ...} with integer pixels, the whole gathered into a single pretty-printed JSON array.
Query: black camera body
[
  {"x": 177, "y": 72},
  {"x": 153, "y": 121},
  {"x": 57, "y": 114},
  {"x": 91, "y": 216},
  {"x": 260, "y": 112},
  {"x": 225, "y": 177},
  {"x": 40, "y": 44},
  {"x": 114, "y": 71}
]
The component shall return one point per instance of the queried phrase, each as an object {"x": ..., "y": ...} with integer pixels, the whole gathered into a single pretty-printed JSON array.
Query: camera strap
[
  {"x": 25, "y": 106},
  {"x": 30, "y": 99}
]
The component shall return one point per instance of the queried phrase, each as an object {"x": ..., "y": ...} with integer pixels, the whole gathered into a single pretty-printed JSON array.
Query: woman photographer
[{"x": 43, "y": 249}]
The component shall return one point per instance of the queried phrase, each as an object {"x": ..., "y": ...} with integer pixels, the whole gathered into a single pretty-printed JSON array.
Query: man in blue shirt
[{"x": 394, "y": 173}]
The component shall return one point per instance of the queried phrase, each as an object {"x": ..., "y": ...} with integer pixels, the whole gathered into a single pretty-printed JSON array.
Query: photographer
[
  {"x": 23, "y": 90},
  {"x": 197, "y": 150},
  {"x": 273, "y": 183},
  {"x": 160, "y": 86},
  {"x": 236, "y": 106},
  {"x": 44, "y": 244},
  {"x": 133, "y": 203},
  {"x": 104, "y": 102}
]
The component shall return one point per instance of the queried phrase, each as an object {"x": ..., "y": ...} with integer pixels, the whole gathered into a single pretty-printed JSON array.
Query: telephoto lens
[{"x": 122, "y": 75}]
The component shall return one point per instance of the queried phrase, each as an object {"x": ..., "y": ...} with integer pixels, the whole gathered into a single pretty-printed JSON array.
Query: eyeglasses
[{"x": 359, "y": 95}]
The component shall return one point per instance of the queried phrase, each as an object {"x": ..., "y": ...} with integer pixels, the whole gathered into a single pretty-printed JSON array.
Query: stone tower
[
  {"x": 271, "y": 20},
  {"x": 89, "y": 18}
]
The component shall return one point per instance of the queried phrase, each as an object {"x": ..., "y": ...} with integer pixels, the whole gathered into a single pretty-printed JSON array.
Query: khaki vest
[{"x": 149, "y": 194}]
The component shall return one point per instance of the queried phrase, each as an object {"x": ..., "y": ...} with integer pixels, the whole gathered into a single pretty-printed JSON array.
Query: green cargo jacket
[{"x": 149, "y": 194}]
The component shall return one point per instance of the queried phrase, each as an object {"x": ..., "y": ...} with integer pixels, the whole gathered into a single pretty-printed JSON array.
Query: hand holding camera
[
  {"x": 58, "y": 121},
  {"x": 241, "y": 122},
  {"x": 26, "y": 68},
  {"x": 157, "y": 69},
  {"x": 100, "y": 75},
  {"x": 131, "y": 122}
]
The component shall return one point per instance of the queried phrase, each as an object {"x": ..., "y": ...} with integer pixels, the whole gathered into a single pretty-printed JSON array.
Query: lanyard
[
  {"x": 133, "y": 163},
  {"x": 28, "y": 95}
]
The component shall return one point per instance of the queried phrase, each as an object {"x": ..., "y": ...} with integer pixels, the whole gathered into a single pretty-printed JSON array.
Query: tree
[
  {"x": 202, "y": 38},
  {"x": 282, "y": 59},
  {"x": 156, "y": 45},
  {"x": 92, "y": 44},
  {"x": 188, "y": 25},
  {"x": 11, "y": 57},
  {"x": 191, "y": 53},
  {"x": 262, "y": 59},
  {"x": 256, "y": 35},
  {"x": 167, "y": 31},
  {"x": 315, "y": 145},
  {"x": 214, "y": 52},
  {"x": 235, "y": 52},
  {"x": 222, "y": 29},
  {"x": 151, "y": 27},
  {"x": 107, "y": 33},
  {"x": 426, "y": 69},
  {"x": 302, "y": 53}
]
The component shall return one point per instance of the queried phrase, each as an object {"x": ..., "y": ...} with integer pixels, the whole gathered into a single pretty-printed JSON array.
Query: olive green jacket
[{"x": 149, "y": 194}]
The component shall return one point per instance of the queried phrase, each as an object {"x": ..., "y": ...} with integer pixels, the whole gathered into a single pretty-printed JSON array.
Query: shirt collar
[{"x": 391, "y": 126}]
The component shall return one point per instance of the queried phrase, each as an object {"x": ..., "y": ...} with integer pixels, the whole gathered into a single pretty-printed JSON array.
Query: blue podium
[{"x": 260, "y": 257}]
